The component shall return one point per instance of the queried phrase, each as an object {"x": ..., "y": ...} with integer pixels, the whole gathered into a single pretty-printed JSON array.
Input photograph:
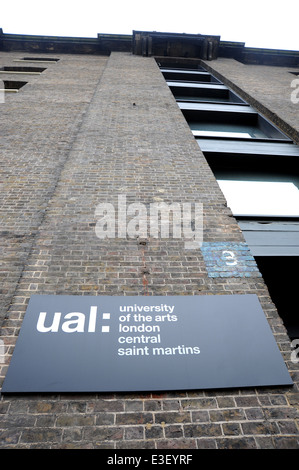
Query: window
[
  {"x": 188, "y": 75},
  {"x": 261, "y": 186},
  {"x": 229, "y": 153},
  {"x": 261, "y": 198},
  {"x": 37, "y": 59},
  {"x": 29, "y": 70},
  {"x": 47, "y": 59},
  {"x": 222, "y": 133},
  {"x": 232, "y": 118},
  {"x": 212, "y": 129},
  {"x": 169, "y": 65},
  {"x": 11, "y": 86},
  {"x": 195, "y": 92}
]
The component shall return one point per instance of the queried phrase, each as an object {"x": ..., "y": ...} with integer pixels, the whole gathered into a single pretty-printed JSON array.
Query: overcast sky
[{"x": 258, "y": 23}]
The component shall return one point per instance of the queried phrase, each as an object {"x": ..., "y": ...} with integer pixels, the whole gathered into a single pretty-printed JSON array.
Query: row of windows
[
  {"x": 243, "y": 148},
  {"x": 13, "y": 86},
  {"x": 257, "y": 168}
]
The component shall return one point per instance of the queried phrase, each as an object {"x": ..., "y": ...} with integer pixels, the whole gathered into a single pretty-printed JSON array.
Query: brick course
[{"x": 85, "y": 131}]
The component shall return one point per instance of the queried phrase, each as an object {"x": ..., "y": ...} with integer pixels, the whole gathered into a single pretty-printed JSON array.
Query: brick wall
[
  {"x": 38, "y": 127},
  {"x": 84, "y": 132}
]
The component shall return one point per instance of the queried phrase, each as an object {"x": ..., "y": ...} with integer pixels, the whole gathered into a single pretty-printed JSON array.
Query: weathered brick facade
[{"x": 86, "y": 130}]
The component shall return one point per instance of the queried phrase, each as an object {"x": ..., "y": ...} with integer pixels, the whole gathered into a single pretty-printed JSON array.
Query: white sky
[{"x": 258, "y": 23}]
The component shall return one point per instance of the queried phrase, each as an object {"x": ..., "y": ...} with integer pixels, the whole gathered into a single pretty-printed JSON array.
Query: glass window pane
[
  {"x": 261, "y": 198},
  {"x": 245, "y": 131},
  {"x": 221, "y": 134}
]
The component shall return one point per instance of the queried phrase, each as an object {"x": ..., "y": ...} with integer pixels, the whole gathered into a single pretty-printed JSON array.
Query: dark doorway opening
[{"x": 281, "y": 276}]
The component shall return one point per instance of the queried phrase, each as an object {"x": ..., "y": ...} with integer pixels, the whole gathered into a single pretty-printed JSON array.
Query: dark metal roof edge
[
  {"x": 231, "y": 49},
  {"x": 234, "y": 44},
  {"x": 28, "y": 37}
]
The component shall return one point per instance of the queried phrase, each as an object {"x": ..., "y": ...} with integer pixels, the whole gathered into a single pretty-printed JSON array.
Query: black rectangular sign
[{"x": 111, "y": 344}]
